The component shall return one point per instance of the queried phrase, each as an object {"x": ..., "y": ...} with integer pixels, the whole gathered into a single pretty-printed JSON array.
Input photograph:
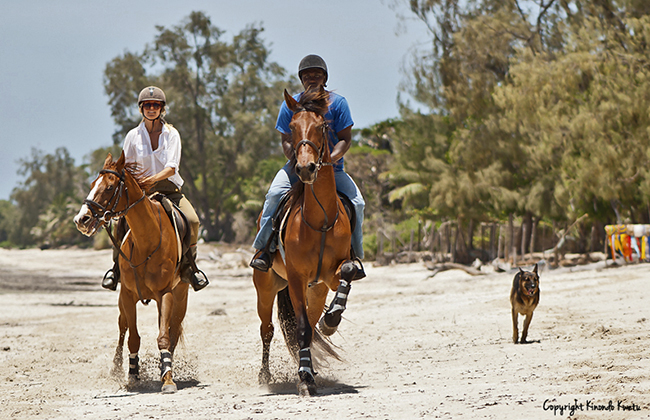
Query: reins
[
  {"x": 326, "y": 227},
  {"x": 108, "y": 215}
]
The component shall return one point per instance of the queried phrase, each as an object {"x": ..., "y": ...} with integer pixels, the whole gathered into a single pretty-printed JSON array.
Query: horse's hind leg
[
  {"x": 264, "y": 286},
  {"x": 332, "y": 318},
  {"x": 178, "y": 315},
  {"x": 164, "y": 342}
]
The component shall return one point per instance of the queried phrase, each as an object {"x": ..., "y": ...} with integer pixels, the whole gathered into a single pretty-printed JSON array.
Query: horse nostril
[{"x": 311, "y": 167}]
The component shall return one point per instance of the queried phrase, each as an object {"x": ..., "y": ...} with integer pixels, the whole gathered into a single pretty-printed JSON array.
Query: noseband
[
  {"x": 319, "y": 150},
  {"x": 107, "y": 214}
]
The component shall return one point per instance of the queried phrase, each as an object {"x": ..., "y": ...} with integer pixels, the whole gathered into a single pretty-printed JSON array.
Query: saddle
[
  {"x": 281, "y": 213},
  {"x": 179, "y": 221}
]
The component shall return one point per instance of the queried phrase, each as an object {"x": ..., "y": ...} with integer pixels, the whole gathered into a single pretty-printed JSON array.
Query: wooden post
[
  {"x": 533, "y": 236},
  {"x": 500, "y": 245},
  {"x": 511, "y": 240},
  {"x": 524, "y": 232},
  {"x": 482, "y": 240},
  {"x": 453, "y": 248},
  {"x": 411, "y": 247},
  {"x": 493, "y": 249}
]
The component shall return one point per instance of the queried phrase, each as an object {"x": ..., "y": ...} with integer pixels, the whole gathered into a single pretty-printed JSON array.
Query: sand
[{"x": 414, "y": 346}]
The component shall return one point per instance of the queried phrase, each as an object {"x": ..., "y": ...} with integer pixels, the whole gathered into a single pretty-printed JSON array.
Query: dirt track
[{"x": 415, "y": 347}]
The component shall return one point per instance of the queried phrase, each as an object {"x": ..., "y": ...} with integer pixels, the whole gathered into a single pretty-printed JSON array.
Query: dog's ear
[
  {"x": 520, "y": 270},
  {"x": 535, "y": 269}
]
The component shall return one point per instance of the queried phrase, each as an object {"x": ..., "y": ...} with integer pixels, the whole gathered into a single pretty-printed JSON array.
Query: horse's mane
[
  {"x": 136, "y": 172},
  {"x": 315, "y": 100}
]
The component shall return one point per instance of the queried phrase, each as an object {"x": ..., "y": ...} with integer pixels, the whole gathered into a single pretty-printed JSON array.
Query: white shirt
[{"x": 137, "y": 148}]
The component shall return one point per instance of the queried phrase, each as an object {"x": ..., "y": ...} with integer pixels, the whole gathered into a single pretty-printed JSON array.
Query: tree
[
  {"x": 223, "y": 97},
  {"x": 52, "y": 184}
]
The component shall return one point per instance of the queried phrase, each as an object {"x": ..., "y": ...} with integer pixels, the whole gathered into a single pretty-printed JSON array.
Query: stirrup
[
  {"x": 109, "y": 282},
  {"x": 360, "y": 273},
  {"x": 261, "y": 261},
  {"x": 198, "y": 283}
]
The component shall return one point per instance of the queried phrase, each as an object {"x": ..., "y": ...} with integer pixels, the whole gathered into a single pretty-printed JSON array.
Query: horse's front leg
[
  {"x": 332, "y": 318},
  {"x": 164, "y": 344},
  {"x": 127, "y": 321},
  {"x": 307, "y": 384}
]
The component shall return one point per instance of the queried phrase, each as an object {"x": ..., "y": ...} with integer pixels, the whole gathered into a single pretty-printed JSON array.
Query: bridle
[
  {"x": 319, "y": 164},
  {"x": 319, "y": 150},
  {"x": 106, "y": 213}
]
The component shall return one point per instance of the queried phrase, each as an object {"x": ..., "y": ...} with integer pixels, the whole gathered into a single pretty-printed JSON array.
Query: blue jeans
[{"x": 282, "y": 184}]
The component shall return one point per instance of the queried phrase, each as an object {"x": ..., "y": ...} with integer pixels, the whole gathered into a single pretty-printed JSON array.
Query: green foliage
[
  {"x": 536, "y": 109},
  {"x": 46, "y": 200}
]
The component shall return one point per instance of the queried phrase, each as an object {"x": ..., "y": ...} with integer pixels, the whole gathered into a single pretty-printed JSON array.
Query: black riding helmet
[{"x": 312, "y": 61}]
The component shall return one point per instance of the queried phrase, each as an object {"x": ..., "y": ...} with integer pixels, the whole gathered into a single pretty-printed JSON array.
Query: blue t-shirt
[{"x": 338, "y": 117}]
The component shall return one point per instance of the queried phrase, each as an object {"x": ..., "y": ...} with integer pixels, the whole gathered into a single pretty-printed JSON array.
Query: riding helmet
[
  {"x": 151, "y": 93},
  {"x": 312, "y": 61}
]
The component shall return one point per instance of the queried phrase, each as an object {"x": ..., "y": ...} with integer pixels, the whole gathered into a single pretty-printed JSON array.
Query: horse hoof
[
  {"x": 306, "y": 390},
  {"x": 326, "y": 329},
  {"x": 264, "y": 377},
  {"x": 169, "y": 388},
  {"x": 333, "y": 319}
]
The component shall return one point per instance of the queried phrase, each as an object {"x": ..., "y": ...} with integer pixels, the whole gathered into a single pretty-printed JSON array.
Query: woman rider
[{"x": 155, "y": 146}]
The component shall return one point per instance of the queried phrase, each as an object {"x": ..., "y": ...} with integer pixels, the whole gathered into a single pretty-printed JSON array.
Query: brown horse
[
  {"x": 148, "y": 260},
  {"x": 316, "y": 245}
]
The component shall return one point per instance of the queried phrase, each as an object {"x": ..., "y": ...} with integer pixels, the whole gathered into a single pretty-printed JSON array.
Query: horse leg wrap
[
  {"x": 305, "y": 371},
  {"x": 165, "y": 363},
  {"x": 333, "y": 315},
  {"x": 134, "y": 367}
]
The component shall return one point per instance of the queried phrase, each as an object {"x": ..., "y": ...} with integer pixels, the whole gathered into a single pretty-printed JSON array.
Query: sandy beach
[{"x": 415, "y": 346}]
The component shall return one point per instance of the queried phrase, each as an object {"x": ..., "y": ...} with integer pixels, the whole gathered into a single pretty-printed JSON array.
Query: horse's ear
[
  {"x": 292, "y": 104},
  {"x": 120, "y": 161},
  {"x": 109, "y": 160}
]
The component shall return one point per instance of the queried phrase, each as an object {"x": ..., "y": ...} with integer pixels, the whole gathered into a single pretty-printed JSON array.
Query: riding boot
[
  {"x": 112, "y": 277},
  {"x": 263, "y": 259},
  {"x": 360, "y": 273},
  {"x": 188, "y": 273}
]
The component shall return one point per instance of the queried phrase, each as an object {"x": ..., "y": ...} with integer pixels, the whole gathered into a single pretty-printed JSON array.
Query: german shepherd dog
[{"x": 524, "y": 298}]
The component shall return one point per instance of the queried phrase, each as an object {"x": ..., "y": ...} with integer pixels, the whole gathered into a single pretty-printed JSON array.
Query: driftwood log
[{"x": 437, "y": 268}]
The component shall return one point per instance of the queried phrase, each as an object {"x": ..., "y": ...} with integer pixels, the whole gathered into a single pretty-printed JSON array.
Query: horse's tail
[{"x": 321, "y": 346}]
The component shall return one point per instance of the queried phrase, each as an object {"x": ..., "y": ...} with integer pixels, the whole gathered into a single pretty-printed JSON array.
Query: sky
[{"x": 53, "y": 54}]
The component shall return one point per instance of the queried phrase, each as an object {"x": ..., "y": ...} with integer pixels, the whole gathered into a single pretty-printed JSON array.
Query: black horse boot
[
  {"x": 112, "y": 277},
  {"x": 189, "y": 271}
]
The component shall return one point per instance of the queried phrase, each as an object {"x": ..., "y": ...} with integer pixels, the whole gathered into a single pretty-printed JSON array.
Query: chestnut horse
[
  {"x": 149, "y": 257},
  {"x": 316, "y": 245}
]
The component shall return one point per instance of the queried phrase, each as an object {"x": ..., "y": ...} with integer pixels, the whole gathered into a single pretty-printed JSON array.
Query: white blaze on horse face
[{"x": 85, "y": 210}]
